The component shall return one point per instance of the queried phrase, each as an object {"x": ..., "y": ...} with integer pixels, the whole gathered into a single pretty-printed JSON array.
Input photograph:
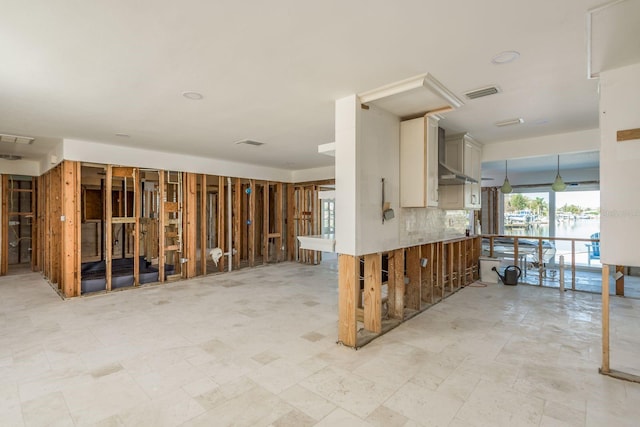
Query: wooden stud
[
  {"x": 221, "y": 222},
  {"x": 396, "y": 285},
  {"x": 203, "y": 225},
  {"x": 137, "y": 212},
  {"x": 541, "y": 268},
  {"x": 252, "y": 219},
  {"x": 605, "y": 319},
  {"x": 122, "y": 172},
  {"x": 373, "y": 293},
  {"x": 190, "y": 213},
  {"x": 290, "y": 221},
  {"x": 440, "y": 272},
  {"x": 450, "y": 263},
  {"x": 278, "y": 220},
  {"x": 4, "y": 263},
  {"x": 34, "y": 226},
  {"x": 237, "y": 220},
  {"x": 620, "y": 280},
  {"x": 414, "y": 274},
  {"x": 108, "y": 235},
  {"x": 161, "y": 225},
  {"x": 348, "y": 286},
  {"x": 265, "y": 223}
]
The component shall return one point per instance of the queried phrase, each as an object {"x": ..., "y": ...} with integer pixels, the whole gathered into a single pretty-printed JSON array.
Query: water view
[{"x": 577, "y": 215}]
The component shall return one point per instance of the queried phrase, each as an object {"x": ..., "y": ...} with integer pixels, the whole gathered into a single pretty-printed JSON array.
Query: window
[
  {"x": 526, "y": 214},
  {"x": 328, "y": 216}
]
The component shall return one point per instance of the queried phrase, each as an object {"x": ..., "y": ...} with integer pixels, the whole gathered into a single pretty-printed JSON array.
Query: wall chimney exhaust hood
[
  {"x": 447, "y": 174},
  {"x": 413, "y": 97}
]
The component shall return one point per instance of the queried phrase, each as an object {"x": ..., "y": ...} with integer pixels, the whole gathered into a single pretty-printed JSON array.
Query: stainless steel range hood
[{"x": 448, "y": 175}]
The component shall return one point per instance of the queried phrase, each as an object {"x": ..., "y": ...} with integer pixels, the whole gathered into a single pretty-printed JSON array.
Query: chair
[{"x": 593, "y": 248}]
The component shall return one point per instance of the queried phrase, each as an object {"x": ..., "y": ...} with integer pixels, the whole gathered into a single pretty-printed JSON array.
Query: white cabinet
[
  {"x": 419, "y": 162},
  {"x": 464, "y": 154}
]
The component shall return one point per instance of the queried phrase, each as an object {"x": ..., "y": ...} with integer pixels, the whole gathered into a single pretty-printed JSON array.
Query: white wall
[
  {"x": 367, "y": 150},
  {"x": 620, "y": 167},
  {"x": 94, "y": 152},
  {"x": 546, "y": 177},
  {"x": 347, "y": 123},
  {"x": 314, "y": 174},
  {"x": 573, "y": 142},
  {"x": 378, "y": 157},
  {"x": 19, "y": 167}
]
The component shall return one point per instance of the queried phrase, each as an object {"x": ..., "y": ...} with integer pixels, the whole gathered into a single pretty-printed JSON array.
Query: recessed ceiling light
[
  {"x": 196, "y": 96},
  {"x": 510, "y": 122},
  {"x": 123, "y": 135},
  {"x": 505, "y": 57}
]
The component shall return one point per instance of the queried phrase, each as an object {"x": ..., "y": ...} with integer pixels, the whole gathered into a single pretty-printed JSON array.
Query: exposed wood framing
[
  {"x": 251, "y": 230},
  {"x": 190, "y": 212},
  {"x": 348, "y": 289},
  {"x": 278, "y": 221},
  {"x": 221, "y": 221},
  {"x": 605, "y": 319},
  {"x": 71, "y": 228},
  {"x": 620, "y": 280},
  {"x": 4, "y": 263},
  {"x": 203, "y": 224},
  {"x": 396, "y": 285},
  {"x": 291, "y": 235},
  {"x": 237, "y": 220},
  {"x": 137, "y": 212},
  {"x": 161, "y": 225},
  {"x": 410, "y": 283},
  {"x": 373, "y": 293},
  {"x": 413, "y": 289},
  {"x": 265, "y": 223},
  {"x": 108, "y": 235}
]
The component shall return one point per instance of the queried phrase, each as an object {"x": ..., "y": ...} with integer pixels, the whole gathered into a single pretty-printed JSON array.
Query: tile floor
[{"x": 257, "y": 348}]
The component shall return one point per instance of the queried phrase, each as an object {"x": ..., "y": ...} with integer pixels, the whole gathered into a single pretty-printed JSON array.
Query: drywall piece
[{"x": 619, "y": 173}]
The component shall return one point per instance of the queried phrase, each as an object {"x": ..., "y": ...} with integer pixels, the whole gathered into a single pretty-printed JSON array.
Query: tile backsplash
[{"x": 424, "y": 225}]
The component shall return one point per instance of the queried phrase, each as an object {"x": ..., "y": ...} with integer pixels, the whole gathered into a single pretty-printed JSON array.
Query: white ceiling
[{"x": 270, "y": 71}]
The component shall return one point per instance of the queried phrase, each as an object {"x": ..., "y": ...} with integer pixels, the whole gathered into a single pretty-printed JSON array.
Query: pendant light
[
  {"x": 558, "y": 184},
  {"x": 506, "y": 187}
]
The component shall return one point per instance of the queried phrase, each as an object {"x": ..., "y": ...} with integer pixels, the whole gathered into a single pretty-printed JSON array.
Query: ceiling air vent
[
  {"x": 250, "y": 142},
  {"x": 485, "y": 91},
  {"x": 15, "y": 139},
  {"x": 10, "y": 157}
]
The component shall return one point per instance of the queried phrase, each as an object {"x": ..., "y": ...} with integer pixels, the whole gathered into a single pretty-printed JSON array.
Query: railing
[{"x": 537, "y": 253}]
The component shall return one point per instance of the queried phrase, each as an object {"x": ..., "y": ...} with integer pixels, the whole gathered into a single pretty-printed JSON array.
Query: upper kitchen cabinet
[
  {"x": 419, "y": 162},
  {"x": 464, "y": 154}
]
